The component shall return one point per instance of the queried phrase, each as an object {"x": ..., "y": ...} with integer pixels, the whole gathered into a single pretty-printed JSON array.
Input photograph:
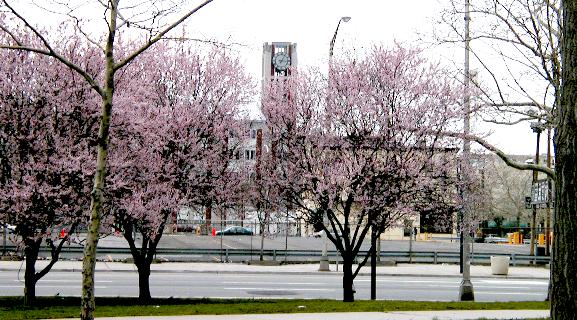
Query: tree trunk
[
  {"x": 97, "y": 195},
  {"x": 89, "y": 262},
  {"x": 262, "y": 225},
  {"x": 144, "y": 282},
  {"x": 208, "y": 217},
  {"x": 30, "y": 279},
  {"x": 348, "y": 290},
  {"x": 564, "y": 268},
  {"x": 143, "y": 257}
]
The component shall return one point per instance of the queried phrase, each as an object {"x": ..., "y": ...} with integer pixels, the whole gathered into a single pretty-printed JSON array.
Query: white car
[
  {"x": 319, "y": 234},
  {"x": 495, "y": 239}
]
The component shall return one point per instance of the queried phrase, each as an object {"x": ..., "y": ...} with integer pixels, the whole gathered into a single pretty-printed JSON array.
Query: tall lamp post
[
  {"x": 324, "y": 263},
  {"x": 466, "y": 292},
  {"x": 332, "y": 45},
  {"x": 537, "y": 128}
]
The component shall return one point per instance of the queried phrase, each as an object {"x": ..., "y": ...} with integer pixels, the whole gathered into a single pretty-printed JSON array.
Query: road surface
[{"x": 265, "y": 285}]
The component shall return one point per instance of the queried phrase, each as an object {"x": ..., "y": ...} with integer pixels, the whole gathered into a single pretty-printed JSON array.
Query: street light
[
  {"x": 343, "y": 19},
  {"x": 324, "y": 263},
  {"x": 537, "y": 128}
]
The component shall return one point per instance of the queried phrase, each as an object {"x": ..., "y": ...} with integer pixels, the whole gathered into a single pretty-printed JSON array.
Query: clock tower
[{"x": 278, "y": 59}]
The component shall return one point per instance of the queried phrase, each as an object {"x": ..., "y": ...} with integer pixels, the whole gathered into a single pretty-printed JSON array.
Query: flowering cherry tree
[
  {"x": 363, "y": 149},
  {"x": 173, "y": 142},
  {"x": 101, "y": 36},
  {"x": 47, "y": 132}
]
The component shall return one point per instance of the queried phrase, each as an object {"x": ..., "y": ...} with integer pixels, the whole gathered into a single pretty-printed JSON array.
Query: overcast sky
[
  {"x": 311, "y": 24},
  {"x": 247, "y": 24}
]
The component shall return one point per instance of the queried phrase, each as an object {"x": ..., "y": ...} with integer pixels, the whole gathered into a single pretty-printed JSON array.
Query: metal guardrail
[{"x": 398, "y": 256}]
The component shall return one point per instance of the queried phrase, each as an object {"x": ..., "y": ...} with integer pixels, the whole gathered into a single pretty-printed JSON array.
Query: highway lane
[
  {"x": 310, "y": 243},
  {"x": 264, "y": 285},
  {"x": 192, "y": 241},
  {"x": 189, "y": 241}
]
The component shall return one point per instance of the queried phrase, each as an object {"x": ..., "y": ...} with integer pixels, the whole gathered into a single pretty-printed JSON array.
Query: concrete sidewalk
[
  {"x": 398, "y": 315},
  {"x": 421, "y": 270}
]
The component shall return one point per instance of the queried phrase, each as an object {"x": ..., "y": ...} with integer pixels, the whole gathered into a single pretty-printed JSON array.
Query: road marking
[
  {"x": 456, "y": 282},
  {"x": 275, "y": 276},
  {"x": 275, "y": 283},
  {"x": 51, "y": 280},
  {"x": 476, "y": 286},
  {"x": 535, "y": 282},
  {"x": 511, "y": 293},
  {"x": 40, "y": 286},
  {"x": 217, "y": 239},
  {"x": 503, "y": 287},
  {"x": 275, "y": 289}
]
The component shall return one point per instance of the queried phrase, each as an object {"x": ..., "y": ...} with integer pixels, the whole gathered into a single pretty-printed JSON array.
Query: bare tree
[
  {"x": 542, "y": 35},
  {"x": 564, "y": 270},
  {"x": 516, "y": 46},
  {"x": 151, "y": 20},
  {"x": 508, "y": 188}
]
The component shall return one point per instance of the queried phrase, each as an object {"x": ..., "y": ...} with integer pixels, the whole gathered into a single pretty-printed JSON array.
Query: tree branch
[
  {"x": 49, "y": 51},
  {"x": 159, "y": 36},
  {"x": 508, "y": 160}
]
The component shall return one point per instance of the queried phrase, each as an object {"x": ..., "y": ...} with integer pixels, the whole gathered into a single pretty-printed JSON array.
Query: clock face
[{"x": 281, "y": 61}]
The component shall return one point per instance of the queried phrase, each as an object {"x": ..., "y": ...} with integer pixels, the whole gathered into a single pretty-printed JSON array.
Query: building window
[{"x": 252, "y": 133}]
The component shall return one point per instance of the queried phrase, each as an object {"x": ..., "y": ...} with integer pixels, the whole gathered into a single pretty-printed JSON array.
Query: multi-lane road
[
  {"x": 272, "y": 285},
  {"x": 283, "y": 285}
]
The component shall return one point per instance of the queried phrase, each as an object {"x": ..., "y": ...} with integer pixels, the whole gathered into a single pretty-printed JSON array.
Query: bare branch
[
  {"x": 508, "y": 160},
  {"x": 525, "y": 35},
  {"x": 159, "y": 36},
  {"x": 213, "y": 42},
  {"x": 48, "y": 51},
  {"x": 508, "y": 123}
]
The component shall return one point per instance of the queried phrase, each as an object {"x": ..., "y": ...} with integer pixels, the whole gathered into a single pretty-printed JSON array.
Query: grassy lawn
[{"x": 57, "y": 307}]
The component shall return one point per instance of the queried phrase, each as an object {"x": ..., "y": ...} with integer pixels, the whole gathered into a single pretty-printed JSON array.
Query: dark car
[{"x": 239, "y": 231}]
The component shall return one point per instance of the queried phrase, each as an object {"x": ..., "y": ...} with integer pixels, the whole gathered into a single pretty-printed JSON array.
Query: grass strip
[{"x": 69, "y": 307}]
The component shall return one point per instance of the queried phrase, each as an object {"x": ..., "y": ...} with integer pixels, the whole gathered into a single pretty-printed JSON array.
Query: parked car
[
  {"x": 238, "y": 231},
  {"x": 494, "y": 239},
  {"x": 319, "y": 234},
  {"x": 9, "y": 228}
]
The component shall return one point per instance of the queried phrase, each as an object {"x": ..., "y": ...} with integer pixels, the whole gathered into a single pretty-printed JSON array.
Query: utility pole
[
  {"x": 549, "y": 196},
  {"x": 466, "y": 289}
]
